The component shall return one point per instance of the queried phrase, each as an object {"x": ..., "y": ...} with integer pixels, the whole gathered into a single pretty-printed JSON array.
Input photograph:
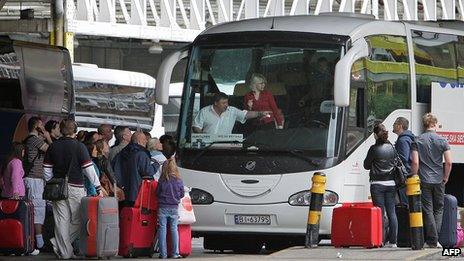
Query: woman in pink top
[{"x": 13, "y": 172}]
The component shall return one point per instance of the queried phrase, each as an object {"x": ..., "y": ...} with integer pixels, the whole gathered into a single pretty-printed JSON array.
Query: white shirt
[{"x": 210, "y": 122}]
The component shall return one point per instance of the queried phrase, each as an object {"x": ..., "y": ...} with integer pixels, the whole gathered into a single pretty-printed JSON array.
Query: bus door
[
  {"x": 447, "y": 105},
  {"x": 35, "y": 80}
]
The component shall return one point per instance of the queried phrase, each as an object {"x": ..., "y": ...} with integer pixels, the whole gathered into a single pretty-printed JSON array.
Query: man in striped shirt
[{"x": 67, "y": 157}]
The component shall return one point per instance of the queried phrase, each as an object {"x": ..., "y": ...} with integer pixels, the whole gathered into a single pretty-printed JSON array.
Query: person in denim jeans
[
  {"x": 380, "y": 160},
  {"x": 428, "y": 152},
  {"x": 170, "y": 191}
]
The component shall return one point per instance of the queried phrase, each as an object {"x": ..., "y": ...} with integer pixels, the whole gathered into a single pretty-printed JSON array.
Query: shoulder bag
[
  {"x": 57, "y": 188},
  {"x": 399, "y": 171}
]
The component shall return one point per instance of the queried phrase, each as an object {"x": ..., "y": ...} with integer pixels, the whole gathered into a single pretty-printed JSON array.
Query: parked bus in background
[
  {"x": 116, "y": 97},
  {"x": 35, "y": 80},
  {"x": 332, "y": 77},
  {"x": 172, "y": 109}
]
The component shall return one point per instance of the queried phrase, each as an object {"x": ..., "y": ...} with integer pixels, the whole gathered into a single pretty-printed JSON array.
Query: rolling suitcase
[
  {"x": 185, "y": 240},
  {"x": 138, "y": 223},
  {"x": 357, "y": 224},
  {"x": 138, "y": 229},
  {"x": 99, "y": 234},
  {"x": 16, "y": 227},
  {"x": 448, "y": 233},
  {"x": 146, "y": 198},
  {"x": 404, "y": 231}
]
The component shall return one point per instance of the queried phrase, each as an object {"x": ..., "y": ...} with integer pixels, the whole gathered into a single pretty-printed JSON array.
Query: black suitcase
[
  {"x": 448, "y": 233},
  {"x": 404, "y": 231}
]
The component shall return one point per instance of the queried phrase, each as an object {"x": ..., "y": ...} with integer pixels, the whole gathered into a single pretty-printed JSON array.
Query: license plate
[{"x": 253, "y": 219}]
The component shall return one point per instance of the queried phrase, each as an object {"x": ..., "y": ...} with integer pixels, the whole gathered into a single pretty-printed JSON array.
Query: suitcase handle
[
  {"x": 9, "y": 208},
  {"x": 87, "y": 227}
]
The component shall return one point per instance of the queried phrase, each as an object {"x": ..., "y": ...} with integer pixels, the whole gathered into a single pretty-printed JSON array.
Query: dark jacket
[
  {"x": 403, "y": 147},
  {"x": 130, "y": 166},
  {"x": 380, "y": 160},
  {"x": 170, "y": 192}
]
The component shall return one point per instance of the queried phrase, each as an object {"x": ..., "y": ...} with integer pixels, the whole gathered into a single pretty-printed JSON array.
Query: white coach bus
[
  {"x": 116, "y": 97},
  {"x": 333, "y": 77}
]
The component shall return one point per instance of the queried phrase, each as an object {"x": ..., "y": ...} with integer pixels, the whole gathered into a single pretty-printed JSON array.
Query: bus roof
[
  {"x": 91, "y": 73},
  {"x": 327, "y": 23},
  {"x": 324, "y": 23}
]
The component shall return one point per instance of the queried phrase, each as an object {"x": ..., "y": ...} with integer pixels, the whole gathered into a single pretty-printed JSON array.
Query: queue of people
[
  {"x": 422, "y": 155},
  {"x": 92, "y": 168}
]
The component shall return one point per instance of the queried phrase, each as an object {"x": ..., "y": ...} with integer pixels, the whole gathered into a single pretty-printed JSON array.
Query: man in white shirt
[{"x": 220, "y": 118}]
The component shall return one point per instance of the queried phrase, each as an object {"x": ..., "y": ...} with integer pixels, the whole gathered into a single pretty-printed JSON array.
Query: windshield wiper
[
  {"x": 205, "y": 149},
  {"x": 298, "y": 154}
]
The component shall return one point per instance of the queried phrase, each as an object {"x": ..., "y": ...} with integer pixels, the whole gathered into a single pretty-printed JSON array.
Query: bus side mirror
[
  {"x": 342, "y": 79},
  {"x": 163, "y": 78}
]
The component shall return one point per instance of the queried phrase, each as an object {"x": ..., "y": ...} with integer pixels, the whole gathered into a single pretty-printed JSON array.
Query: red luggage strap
[{"x": 91, "y": 226}]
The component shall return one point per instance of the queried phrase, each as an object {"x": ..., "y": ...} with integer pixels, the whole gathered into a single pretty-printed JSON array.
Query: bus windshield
[{"x": 291, "y": 83}]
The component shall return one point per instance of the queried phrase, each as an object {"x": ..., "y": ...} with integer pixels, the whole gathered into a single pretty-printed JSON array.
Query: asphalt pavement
[{"x": 323, "y": 252}]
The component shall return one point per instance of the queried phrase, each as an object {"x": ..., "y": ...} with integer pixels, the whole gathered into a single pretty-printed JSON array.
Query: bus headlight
[
  {"x": 201, "y": 197},
  {"x": 303, "y": 198}
]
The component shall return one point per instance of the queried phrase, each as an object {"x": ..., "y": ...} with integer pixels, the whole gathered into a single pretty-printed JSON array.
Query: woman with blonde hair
[{"x": 170, "y": 191}]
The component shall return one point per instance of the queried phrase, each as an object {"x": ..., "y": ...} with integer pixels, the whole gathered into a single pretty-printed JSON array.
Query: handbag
[
  {"x": 400, "y": 173},
  {"x": 57, "y": 188},
  {"x": 185, "y": 209}
]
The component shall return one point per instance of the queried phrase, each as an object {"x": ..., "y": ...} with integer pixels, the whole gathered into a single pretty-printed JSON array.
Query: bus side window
[
  {"x": 460, "y": 58},
  {"x": 356, "y": 127},
  {"x": 435, "y": 58}
]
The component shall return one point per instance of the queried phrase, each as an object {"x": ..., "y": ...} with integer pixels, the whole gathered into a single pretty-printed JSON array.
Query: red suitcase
[
  {"x": 16, "y": 227},
  {"x": 357, "y": 224},
  {"x": 147, "y": 195},
  {"x": 185, "y": 240},
  {"x": 138, "y": 229}
]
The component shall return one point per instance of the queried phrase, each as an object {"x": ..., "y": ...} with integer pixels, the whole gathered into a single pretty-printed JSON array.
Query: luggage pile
[{"x": 105, "y": 231}]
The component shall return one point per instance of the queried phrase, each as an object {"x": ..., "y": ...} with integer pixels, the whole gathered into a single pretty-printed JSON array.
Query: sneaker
[
  {"x": 439, "y": 245},
  {"x": 388, "y": 245},
  {"x": 177, "y": 257},
  {"x": 162, "y": 257},
  {"x": 35, "y": 252}
]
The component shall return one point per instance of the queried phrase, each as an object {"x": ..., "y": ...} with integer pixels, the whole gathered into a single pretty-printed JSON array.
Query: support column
[
  {"x": 168, "y": 13},
  {"x": 448, "y": 9},
  {"x": 251, "y": 9},
  {"x": 410, "y": 10},
  {"x": 323, "y": 6},
  {"x": 197, "y": 14},
  {"x": 300, "y": 7},
  {"x": 430, "y": 9},
  {"x": 225, "y": 10},
  {"x": 347, "y": 6},
  {"x": 276, "y": 8}
]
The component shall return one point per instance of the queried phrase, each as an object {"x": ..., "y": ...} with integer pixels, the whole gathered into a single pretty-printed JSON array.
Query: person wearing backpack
[
  {"x": 36, "y": 144},
  {"x": 380, "y": 160}
]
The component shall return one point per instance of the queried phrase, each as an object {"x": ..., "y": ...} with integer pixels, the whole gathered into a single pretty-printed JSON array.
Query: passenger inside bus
[
  {"x": 259, "y": 99},
  {"x": 220, "y": 118},
  {"x": 299, "y": 81}
]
